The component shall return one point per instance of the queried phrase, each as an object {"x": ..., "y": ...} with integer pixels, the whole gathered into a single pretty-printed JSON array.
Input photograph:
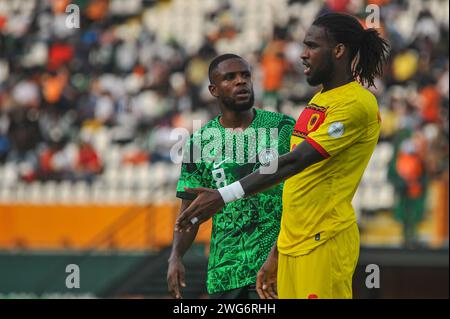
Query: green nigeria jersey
[{"x": 244, "y": 231}]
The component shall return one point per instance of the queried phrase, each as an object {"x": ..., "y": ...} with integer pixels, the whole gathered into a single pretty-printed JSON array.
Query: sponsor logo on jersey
[
  {"x": 309, "y": 120},
  {"x": 267, "y": 155},
  {"x": 216, "y": 165},
  {"x": 336, "y": 129}
]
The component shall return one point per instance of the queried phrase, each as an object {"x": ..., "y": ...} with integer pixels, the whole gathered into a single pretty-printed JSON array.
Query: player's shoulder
[
  {"x": 361, "y": 97},
  {"x": 196, "y": 137},
  {"x": 273, "y": 119},
  {"x": 358, "y": 101},
  {"x": 211, "y": 124}
]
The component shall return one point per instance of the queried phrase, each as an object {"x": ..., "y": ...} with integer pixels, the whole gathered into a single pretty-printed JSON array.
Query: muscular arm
[
  {"x": 209, "y": 201},
  {"x": 175, "y": 270},
  {"x": 182, "y": 240},
  {"x": 289, "y": 164}
]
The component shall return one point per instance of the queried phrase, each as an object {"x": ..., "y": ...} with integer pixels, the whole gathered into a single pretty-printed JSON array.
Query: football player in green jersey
[{"x": 237, "y": 142}]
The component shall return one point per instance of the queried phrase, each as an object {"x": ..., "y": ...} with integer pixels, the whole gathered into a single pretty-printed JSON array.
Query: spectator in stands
[
  {"x": 409, "y": 178},
  {"x": 274, "y": 67},
  {"x": 88, "y": 163}
]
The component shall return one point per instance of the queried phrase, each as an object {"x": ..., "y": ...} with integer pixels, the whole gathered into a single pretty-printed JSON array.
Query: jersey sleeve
[
  {"x": 343, "y": 126},
  {"x": 286, "y": 128},
  {"x": 191, "y": 172}
]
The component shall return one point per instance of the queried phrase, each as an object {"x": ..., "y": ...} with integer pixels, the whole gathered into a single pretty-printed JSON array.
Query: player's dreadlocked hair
[{"x": 369, "y": 49}]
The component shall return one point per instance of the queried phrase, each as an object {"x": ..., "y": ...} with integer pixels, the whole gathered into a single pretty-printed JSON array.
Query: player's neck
[
  {"x": 242, "y": 120},
  {"x": 341, "y": 78}
]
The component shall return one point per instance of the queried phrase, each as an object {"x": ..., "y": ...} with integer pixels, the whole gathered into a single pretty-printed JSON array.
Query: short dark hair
[
  {"x": 218, "y": 59},
  {"x": 367, "y": 46}
]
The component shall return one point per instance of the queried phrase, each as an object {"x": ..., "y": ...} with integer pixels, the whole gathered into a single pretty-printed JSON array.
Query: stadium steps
[{"x": 148, "y": 279}]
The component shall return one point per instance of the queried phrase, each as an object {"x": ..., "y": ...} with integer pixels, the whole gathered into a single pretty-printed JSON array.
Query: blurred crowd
[{"x": 138, "y": 68}]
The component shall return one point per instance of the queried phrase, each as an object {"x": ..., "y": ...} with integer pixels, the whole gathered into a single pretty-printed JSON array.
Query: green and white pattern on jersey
[{"x": 245, "y": 230}]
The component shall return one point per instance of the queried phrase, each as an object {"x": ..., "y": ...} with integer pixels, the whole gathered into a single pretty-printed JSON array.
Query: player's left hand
[{"x": 208, "y": 202}]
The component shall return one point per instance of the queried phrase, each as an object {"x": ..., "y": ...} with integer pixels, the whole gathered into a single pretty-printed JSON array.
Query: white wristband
[{"x": 232, "y": 192}]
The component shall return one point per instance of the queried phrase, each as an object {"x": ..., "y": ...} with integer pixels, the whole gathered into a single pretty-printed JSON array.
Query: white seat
[
  {"x": 35, "y": 192},
  {"x": 28, "y": 189},
  {"x": 66, "y": 193},
  {"x": 111, "y": 176},
  {"x": 127, "y": 175},
  {"x": 387, "y": 196},
  {"x": 10, "y": 174},
  {"x": 159, "y": 175},
  {"x": 81, "y": 193},
  {"x": 379, "y": 175},
  {"x": 98, "y": 192},
  {"x": 50, "y": 194},
  {"x": 143, "y": 196},
  {"x": 6, "y": 195},
  {"x": 386, "y": 151},
  {"x": 143, "y": 176},
  {"x": 2, "y": 171},
  {"x": 101, "y": 140},
  {"x": 158, "y": 196},
  {"x": 110, "y": 194},
  {"x": 22, "y": 193},
  {"x": 125, "y": 195},
  {"x": 367, "y": 199},
  {"x": 174, "y": 173}
]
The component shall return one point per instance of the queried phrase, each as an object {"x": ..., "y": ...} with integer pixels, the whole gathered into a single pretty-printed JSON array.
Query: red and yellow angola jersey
[{"x": 343, "y": 124}]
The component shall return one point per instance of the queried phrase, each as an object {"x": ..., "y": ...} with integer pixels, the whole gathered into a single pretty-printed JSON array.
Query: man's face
[
  {"x": 317, "y": 56},
  {"x": 232, "y": 84}
]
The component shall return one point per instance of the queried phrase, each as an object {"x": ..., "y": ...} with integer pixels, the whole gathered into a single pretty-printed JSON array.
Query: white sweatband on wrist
[{"x": 232, "y": 192}]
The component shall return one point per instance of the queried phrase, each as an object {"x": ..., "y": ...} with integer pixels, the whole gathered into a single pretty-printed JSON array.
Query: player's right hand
[
  {"x": 207, "y": 202},
  {"x": 175, "y": 278},
  {"x": 266, "y": 279}
]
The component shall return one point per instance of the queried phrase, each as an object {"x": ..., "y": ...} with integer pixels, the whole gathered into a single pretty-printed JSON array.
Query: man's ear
[
  {"x": 213, "y": 90},
  {"x": 339, "y": 50}
]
